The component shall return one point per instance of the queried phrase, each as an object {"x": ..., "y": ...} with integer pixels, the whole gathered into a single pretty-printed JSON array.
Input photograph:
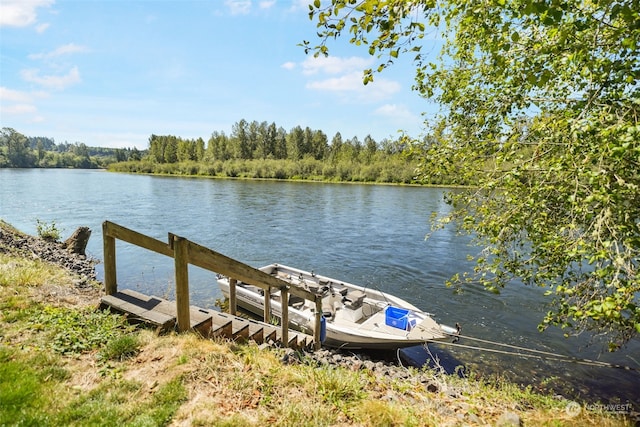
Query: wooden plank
[
  {"x": 267, "y": 305},
  {"x": 142, "y": 308},
  {"x": 209, "y": 259},
  {"x": 271, "y": 335},
  {"x": 147, "y": 301},
  {"x": 307, "y": 342},
  {"x": 114, "y": 302},
  {"x": 197, "y": 315},
  {"x": 317, "y": 329},
  {"x": 301, "y": 341},
  {"x": 241, "y": 331},
  {"x": 119, "y": 232},
  {"x": 285, "y": 316},
  {"x": 256, "y": 331},
  {"x": 132, "y": 303},
  {"x": 222, "y": 329},
  {"x": 293, "y": 341},
  {"x": 159, "y": 319},
  {"x": 222, "y": 324},
  {"x": 109, "y": 252},
  {"x": 233, "y": 304},
  {"x": 203, "y": 327},
  {"x": 181, "y": 262}
]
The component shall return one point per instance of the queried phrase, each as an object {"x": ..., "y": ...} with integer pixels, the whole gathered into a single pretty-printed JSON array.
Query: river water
[{"x": 371, "y": 235}]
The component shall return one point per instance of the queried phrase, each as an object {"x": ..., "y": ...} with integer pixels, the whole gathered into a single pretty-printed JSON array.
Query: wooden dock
[
  {"x": 180, "y": 315},
  {"x": 162, "y": 314}
]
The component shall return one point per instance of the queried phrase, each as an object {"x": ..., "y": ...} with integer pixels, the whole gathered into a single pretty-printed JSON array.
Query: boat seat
[
  {"x": 329, "y": 305},
  {"x": 296, "y": 301},
  {"x": 354, "y": 299},
  {"x": 339, "y": 288}
]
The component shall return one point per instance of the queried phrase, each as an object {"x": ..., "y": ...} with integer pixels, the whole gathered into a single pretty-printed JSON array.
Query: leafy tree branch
[{"x": 539, "y": 107}]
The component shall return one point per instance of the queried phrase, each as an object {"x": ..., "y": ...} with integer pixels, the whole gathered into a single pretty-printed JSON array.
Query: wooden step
[
  {"x": 209, "y": 323},
  {"x": 240, "y": 331},
  {"x": 256, "y": 331},
  {"x": 271, "y": 335},
  {"x": 222, "y": 325},
  {"x": 139, "y": 307}
]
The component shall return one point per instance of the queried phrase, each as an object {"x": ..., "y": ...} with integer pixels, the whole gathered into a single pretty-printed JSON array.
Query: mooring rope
[{"x": 539, "y": 354}]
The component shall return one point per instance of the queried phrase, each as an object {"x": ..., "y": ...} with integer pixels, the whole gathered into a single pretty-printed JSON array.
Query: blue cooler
[{"x": 396, "y": 317}]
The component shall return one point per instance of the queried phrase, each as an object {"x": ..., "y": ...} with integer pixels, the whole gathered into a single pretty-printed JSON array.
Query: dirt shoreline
[
  {"x": 15, "y": 241},
  {"x": 84, "y": 290}
]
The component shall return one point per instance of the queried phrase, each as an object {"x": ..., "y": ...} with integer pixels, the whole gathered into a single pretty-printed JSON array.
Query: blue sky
[{"x": 111, "y": 73}]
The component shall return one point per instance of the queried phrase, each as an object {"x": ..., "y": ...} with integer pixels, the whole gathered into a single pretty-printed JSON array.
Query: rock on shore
[{"x": 14, "y": 241}]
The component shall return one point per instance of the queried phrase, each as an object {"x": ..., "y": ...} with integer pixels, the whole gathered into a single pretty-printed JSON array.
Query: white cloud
[
  {"x": 119, "y": 140},
  {"x": 238, "y": 7},
  {"x": 344, "y": 83},
  {"x": 62, "y": 50},
  {"x": 334, "y": 64},
  {"x": 20, "y": 13},
  {"x": 344, "y": 76},
  {"x": 350, "y": 86},
  {"x": 19, "y": 109},
  {"x": 41, "y": 28},
  {"x": 266, "y": 4},
  {"x": 52, "y": 82},
  {"x": 398, "y": 113},
  {"x": 11, "y": 95},
  {"x": 15, "y": 102},
  {"x": 289, "y": 65},
  {"x": 300, "y": 5},
  {"x": 384, "y": 88}
]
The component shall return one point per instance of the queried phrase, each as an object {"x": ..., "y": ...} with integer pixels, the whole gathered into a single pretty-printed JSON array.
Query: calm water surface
[{"x": 369, "y": 235}]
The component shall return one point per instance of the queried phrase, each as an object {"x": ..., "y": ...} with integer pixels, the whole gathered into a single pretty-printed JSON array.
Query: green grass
[
  {"x": 338, "y": 387},
  {"x": 124, "y": 402},
  {"x": 120, "y": 348},
  {"x": 23, "y": 391}
]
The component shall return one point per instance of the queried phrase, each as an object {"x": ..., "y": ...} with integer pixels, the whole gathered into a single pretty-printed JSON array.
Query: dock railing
[{"x": 185, "y": 252}]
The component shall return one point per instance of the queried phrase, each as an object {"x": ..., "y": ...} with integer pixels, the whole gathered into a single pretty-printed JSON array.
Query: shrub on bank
[{"x": 308, "y": 168}]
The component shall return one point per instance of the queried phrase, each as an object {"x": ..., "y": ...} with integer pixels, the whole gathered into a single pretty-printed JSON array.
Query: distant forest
[
  {"x": 257, "y": 150},
  {"x": 20, "y": 151}
]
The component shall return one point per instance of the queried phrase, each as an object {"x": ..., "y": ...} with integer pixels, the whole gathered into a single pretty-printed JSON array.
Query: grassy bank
[
  {"x": 391, "y": 171},
  {"x": 64, "y": 362}
]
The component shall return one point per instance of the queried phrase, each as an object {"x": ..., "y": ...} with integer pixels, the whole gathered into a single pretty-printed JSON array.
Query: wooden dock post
[
  {"x": 233, "y": 305},
  {"x": 181, "y": 258},
  {"x": 317, "y": 343},
  {"x": 284, "y": 314},
  {"x": 267, "y": 305},
  {"x": 109, "y": 248}
]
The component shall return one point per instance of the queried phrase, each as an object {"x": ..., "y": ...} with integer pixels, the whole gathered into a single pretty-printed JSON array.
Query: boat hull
[{"x": 366, "y": 323}]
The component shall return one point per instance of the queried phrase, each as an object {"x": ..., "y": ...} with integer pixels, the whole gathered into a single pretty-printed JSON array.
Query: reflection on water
[{"x": 364, "y": 234}]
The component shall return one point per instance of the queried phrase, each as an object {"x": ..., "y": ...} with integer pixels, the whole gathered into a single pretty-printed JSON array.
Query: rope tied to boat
[{"x": 528, "y": 352}]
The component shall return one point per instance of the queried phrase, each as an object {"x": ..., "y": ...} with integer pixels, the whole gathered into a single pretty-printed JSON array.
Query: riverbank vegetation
[
  {"x": 263, "y": 150},
  {"x": 20, "y": 151},
  {"x": 255, "y": 150},
  {"x": 65, "y": 362}
]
